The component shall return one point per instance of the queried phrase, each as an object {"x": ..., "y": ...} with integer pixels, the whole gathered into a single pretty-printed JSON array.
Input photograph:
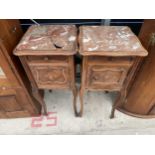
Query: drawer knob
[
  {"x": 131, "y": 58},
  {"x": 95, "y": 78},
  {"x": 110, "y": 58},
  {"x": 46, "y": 58},
  {"x": 3, "y": 88}
]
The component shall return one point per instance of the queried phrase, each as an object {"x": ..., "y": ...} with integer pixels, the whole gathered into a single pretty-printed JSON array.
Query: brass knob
[
  {"x": 110, "y": 58},
  {"x": 3, "y": 88},
  {"x": 95, "y": 78},
  {"x": 46, "y": 58}
]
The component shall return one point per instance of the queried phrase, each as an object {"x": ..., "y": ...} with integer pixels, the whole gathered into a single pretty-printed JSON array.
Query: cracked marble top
[
  {"x": 45, "y": 38},
  {"x": 109, "y": 40}
]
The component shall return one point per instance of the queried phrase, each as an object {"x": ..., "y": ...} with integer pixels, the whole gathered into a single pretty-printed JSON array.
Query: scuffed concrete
[{"x": 94, "y": 121}]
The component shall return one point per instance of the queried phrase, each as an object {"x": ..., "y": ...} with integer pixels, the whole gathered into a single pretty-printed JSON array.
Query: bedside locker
[
  {"x": 47, "y": 54},
  {"x": 109, "y": 54}
]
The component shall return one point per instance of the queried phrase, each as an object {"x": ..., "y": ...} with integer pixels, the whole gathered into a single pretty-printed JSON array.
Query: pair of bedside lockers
[{"x": 109, "y": 54}]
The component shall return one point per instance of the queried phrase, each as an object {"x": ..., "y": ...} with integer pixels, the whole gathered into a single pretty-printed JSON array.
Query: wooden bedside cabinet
[
  {"x": 47, "y": 54},
  {"x": 109, "y": 54}
]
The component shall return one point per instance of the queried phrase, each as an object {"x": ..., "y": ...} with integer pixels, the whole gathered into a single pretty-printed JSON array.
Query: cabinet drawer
[
  {"x": 106, "y": 77},
  {"x": 49, "y": 76},
  {"x": 50, "y": 59},
  {"x": 111, "y": 60}
]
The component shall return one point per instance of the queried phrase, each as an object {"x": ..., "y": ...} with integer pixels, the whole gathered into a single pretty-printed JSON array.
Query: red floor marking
[
  {"x": 50, "y": 117},
  {"x": 38, "y": 121}
]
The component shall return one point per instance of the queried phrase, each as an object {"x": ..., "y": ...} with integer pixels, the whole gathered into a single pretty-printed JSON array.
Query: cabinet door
[
  {"x": 49, "y": 76},
  {"x": 106, "y": 77},
  {"x": 141, "y": 97}
]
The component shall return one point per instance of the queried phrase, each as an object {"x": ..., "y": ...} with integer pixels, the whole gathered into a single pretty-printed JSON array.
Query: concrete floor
[{"x": 95, "y": 120}]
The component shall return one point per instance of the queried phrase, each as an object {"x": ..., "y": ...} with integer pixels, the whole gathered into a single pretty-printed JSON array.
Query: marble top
[
  {"x": 109, "y": 40},
  {"x": 48, "y": 38}
]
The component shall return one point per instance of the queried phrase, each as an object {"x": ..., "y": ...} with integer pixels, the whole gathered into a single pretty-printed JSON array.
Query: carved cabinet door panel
[
  {"x": 49, "y": 76},
  {"x": 106, "y": 77}
]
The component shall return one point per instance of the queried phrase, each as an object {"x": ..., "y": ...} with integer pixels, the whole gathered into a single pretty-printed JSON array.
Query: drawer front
[
  {"x": 106, "y": 77},
  {"x": 49, "y": 76},
  {"x": 111, "y": 60},
  {"x": 50, "y": 59}
]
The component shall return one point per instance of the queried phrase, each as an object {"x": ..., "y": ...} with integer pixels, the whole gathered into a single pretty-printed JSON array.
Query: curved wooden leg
[
  {"x": 40, "y": 100},
  {"x": 120, "y": 100},
  {"x": 74, "y": 90},
  {"x": 43, "y": 105},
  {"x": 112, "y": 115},
  {"x": 81, "y": 102}
]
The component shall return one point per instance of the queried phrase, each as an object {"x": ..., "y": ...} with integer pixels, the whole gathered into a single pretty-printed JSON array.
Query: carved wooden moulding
[
  {"x": 109, "y": 54},
  {"x": 47, "y": 54}
]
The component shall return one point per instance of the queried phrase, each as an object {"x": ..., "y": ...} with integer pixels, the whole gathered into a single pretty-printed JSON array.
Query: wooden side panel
[
  {"x": 10, "y": 33},
  {"x": 15, "y": 100},
  {"x": 146, "y": 31},
  {"x": 141, "y": 97}
]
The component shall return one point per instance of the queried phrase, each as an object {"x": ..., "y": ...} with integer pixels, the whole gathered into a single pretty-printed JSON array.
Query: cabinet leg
[
  {"x": 114, "y": 107},
  {"x": 74, "y": 90},
  {"x": 44, "y": 107},
  {"x": 40, "y": 100},
  {"x": 120, "y": 100},
  {"x": 81, "y": 102}
]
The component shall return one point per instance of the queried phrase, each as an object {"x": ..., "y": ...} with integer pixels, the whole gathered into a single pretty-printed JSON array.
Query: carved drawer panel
[
  {"x": 109, "y": 61},
  {"x": 48, "y": 77},
  {"x": 51, "y": 59},
  {"x": 106, "y": 77}
]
